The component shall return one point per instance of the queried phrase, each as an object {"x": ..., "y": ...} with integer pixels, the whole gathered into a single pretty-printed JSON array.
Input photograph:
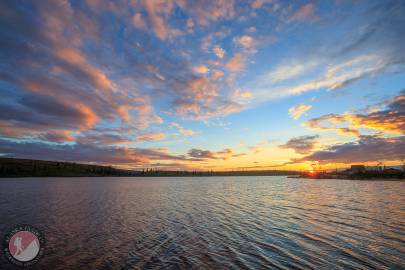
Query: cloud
[
  {"x": 389, "y": 120},
  {"x": 258, "y": 147},
  {"x": 367, "y": 148},
  {"x": 332, "y": 119},
  {"x": 285, "y": 72},
  {"x": 219, "y": 52},
  {"x": 200, "y": 98},
  {"x": 207, "y": 154},
  {"x": 76, "y": 62},
  {"x": 201, "y": 69},
  {"x": 190, "y": 24},
  {"x": 217, "y": 74},
  {"x": 236, "y": 63},
  {"x": 245, "y": 41},
  {"x": 302, "y": 144},
  {"x": 246, "y": 94},
  {"x": 152, "y": 136},
  {"x": 156, "y": 10},
  {"x": 201, "y": 154},
  {"x": 58, "y": 136},
  {"x": 370, "y": 49},
  {"x": 102, "y": 65},
  {"x": 66, "y": 87},
  {"x": 297, "y": 111},
  {"x": 204, "y": 12},
  {"x": 102, "y": 138},
  {"x": 41, "y": 114},
  {"x": 138, "y": 21},
  {"x": 256, "y": 4},
  {"x": 86, "y": 153},
  {"x": 251, "y": 29},
  {"x": 305, "y": 12},
  {"x": 334, "y": 77},
  {"x": 182, "y": 130}
]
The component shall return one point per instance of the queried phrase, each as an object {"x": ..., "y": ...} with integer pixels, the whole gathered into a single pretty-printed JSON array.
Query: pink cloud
[
  {"x": 58, "y": 136},
  {"x": 138, "y": 21},
  {"x": 156, "y": 10},
  {"x": 205, "y": 12},
  {"x": 78, "y": 61}
]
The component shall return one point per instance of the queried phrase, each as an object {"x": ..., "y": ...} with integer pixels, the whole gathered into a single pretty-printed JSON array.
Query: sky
[{"x": 203, "y": 85}]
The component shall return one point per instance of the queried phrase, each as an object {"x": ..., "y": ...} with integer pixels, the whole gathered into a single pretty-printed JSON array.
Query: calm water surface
[{"x": 210, "y": 223}]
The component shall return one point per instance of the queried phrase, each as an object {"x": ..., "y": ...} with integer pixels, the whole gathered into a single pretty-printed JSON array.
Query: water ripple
[{"x": 210, "y": 223}]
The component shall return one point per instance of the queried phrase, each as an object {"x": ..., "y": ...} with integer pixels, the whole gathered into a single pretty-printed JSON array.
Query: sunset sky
[{"x": 198, "y": 84}]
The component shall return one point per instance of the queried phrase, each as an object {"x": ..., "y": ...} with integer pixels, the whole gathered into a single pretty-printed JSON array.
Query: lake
[{"x": 209, "y": 223}]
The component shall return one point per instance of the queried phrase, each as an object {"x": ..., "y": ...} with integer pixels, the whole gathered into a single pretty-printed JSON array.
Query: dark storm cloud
[
  {"x": 367, "y": 148},
  {"x": 302, "y": 144},
  {"x": 201, "y": 154},
  {"x": 207, "y": 154}
]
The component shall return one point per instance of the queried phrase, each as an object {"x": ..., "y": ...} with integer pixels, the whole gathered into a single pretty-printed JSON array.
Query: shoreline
[{"x": 355, "y": 179}]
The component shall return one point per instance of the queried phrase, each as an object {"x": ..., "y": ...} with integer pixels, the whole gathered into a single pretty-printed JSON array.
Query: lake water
[{"x": 210, "y": 223}]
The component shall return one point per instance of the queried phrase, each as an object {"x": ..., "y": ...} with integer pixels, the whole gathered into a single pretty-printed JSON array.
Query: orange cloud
[
  {"x": 378, "y": 121},
  {"x": 201, "y": 69},
  {"x": 390, "y": 120},
  {"x": 151, "y": 136},
  {"x": 236, "y": 63},
  {"x": 71, "y": 56},
  {"x": 216, "y": 73},
  {"x": 123, "y": 112},
  {"x": 316, "y": 124},
  {"x": 89, "y": 117},
  {"x": 246, "y": 94},
  {"x": 259, "y": 3}
]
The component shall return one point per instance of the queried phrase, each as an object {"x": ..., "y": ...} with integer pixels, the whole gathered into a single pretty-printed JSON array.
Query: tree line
[{"x": 13, "y": 167}]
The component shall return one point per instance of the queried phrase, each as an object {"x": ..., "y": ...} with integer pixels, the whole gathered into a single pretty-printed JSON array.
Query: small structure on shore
[{"x": 359, "y": 172}]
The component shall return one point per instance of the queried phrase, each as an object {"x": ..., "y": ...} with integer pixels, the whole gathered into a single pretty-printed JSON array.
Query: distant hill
[{"x": 13, "y": 167}]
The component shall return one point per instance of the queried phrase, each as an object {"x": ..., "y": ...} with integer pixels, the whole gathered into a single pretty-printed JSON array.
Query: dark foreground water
[{"x": 210, "y": 223}]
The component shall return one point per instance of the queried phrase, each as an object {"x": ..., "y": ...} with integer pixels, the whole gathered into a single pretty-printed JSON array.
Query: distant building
[
  {"x": 392, "y": 170},
  {"x": 357, "y": 169}
]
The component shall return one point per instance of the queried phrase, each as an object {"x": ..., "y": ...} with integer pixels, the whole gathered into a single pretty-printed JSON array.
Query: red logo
[{"x": 24, "y": 245}]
